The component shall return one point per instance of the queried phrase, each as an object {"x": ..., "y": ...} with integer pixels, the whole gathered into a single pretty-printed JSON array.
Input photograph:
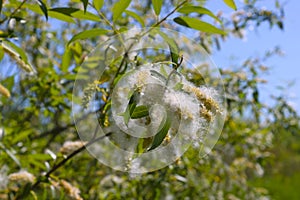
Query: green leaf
[
  {"x": 77, "y": 13},
  {"x": 17, "y": 49},
  {"x": 10, "y": 154},
  {"x": 199, "y": 10},
  {"x": 158, "y": 75},
  {"x": 163, "y": 71},
  {"x": 54, "y": 14},
  {"x": 130, "y": 107},
  {"x": 198, "y": 25},
  {"x": 157, "y": 4},
  {"x": 139, "y": 112},
  {"x": 65, "y": 10},
  {"x": 231, "y": 4},
  {"x": 1, "y": 2},
  {"x": 21, "y": 136},
  {"x": 178, "y": 86},
  {"x": 43, "y": 8},
  {"x": 66, "y": 60},
  {"x": 136, "y": 17},
  {"x": 1, "y": 53},
  {"x": 119, "y": 8},
  {"x": 88, "y": 34},
  {"x": 85, "y": 4},
  {"x": 160, "y": 136},
  {"x": 85, "y": 16},
  {"x": 98, "y": 4},
  {"x": 174, "y": 49},
  {"x": 18, "y": 55},
  {"x": 61, "y": 16}
]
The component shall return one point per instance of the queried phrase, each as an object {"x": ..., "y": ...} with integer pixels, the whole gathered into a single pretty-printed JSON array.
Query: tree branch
[{"x": 74, "y": 153}]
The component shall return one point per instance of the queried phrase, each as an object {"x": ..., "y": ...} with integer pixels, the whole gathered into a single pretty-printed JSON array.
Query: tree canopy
[{"x": 139, "y": 70}]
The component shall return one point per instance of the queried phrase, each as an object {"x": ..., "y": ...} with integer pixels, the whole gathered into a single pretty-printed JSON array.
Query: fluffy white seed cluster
[
  {"x": 71, "y": 146},
  {"x": 72, "y": 191},
  {"x": 21, "y": 177},
  {"x": 190, "y": 107}
]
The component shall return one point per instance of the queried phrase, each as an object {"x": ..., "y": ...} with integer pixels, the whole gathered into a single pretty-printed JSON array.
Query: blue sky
[{"x": 284, "y": 69}]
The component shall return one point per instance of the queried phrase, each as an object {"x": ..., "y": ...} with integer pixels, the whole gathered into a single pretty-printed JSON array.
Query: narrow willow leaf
[
  {"x": 160, "y": 136},
  {"x": 198, "y": 25},
  {"x": 1, "y": 52},
  {"x": 178, "y": 86},
  {"x": 61, "y": 16},
  {"x": 1, "y": 2},
  {"x": 88, "y": 34},
  {"x": 163, "y": 71},
  {"x": 199, "y": 10},
  {"x": 76, "y": 13},
  {"x": 174, "y": 49},
  {"x": 10, "y": 154},
  {"x": 119, "y": 8},
  {"x": 64, "y": 10},
  {"x": 139, "y": 112},
  {"x": 17, "y": 54},
  {"x": 158, "y": 75},
  {"x": 143, "y": 144},
  {"x": 85, "y": 16},
  {"x": 231, "y": 4},
  {"x": 66, "y": 60},
  {"x": 54, "y": 14},
  {"x": 130, "y": 107},
  {"x": 136, "y": 17},
  {"x": 157, "y": 4},
  {"x": 98, "y": 4},
  {"x": 43, "y": 8},
  {"x": 85, "y": 4}
]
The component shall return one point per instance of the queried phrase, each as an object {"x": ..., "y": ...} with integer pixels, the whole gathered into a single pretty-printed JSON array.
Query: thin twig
[
  {"x": 14, "y": 12},
  {"x": 74, "y": 153},
  {"x": 169, "y": 14},
  {"x": 61, "y": 163}
]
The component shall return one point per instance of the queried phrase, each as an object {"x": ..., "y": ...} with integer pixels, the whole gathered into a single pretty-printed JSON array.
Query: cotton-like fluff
[{"x": 21, "y": 177}]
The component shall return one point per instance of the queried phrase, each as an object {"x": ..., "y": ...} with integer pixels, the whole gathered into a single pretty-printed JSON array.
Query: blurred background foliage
[{"x": 256, "y": 157}]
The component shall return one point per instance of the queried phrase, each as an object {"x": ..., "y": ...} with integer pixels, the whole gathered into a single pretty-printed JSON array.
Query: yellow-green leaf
[
  {"x": 174, "y": 49},
  {"x": 88, "y": 34},
  {"x": 139, "y": 112},
  {"x": 77, "y": 13},
  {"x": 160, "y": 136},
  {"x": 66, "y": 60},
  {"x": 198, "y": 25},
  {"x": 136, "y": 17},
  {"x": 157, "y": 4},
  {"x": 198, "y": 9},
  {"x": 1, "y": 53},
  {"x": 61, "y": 17},
  {"x": 119, "y": 8},
  {"x": 98, "y": 4},
  {"x": 231, "y": 4}
]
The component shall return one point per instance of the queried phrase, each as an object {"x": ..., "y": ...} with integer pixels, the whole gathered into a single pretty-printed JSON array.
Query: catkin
[
  {"x": 22, "y": 177},
  {"x": 208, "y": 102},
  {"x": 69, "y": 147},
  {"x": 16, "y": 57},
  {"x": 4, "y": 91}
]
